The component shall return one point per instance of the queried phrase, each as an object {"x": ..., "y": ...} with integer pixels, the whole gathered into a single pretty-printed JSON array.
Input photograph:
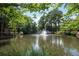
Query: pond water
[{"x": 36, "y": 45}]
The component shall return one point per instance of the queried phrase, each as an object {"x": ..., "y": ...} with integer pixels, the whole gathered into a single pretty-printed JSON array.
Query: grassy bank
[{"x": 60, "y": 33}]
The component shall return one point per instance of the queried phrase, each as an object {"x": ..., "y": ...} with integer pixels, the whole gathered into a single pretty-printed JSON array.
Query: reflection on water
[
  {"x": 72, "y": 51},
  {"x": 50, "y": 44},
  {"x": 36, "y": 46},
  {"x": 58, "y": 41}
]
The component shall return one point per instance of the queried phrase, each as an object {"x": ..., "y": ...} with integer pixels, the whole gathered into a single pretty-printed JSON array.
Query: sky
[{"x": 38, "y": 15}]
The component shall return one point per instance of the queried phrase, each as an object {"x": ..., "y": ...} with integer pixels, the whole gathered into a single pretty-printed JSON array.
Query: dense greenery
[
  {"x": 66, "y": 24},
  {"x": 13, "y": 20},
  {"x": 30, "y": 27},
  {"x": 51, "y": 21},
  {"x": 13, "y": 17},
  {"x": 70, "y": 25},
  {"x": 55, "y": 20}
]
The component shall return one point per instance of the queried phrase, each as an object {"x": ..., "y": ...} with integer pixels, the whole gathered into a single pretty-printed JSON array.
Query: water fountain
[{"x": 44, "y": 33}]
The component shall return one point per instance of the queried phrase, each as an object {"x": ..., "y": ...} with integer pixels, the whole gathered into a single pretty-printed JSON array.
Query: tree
[
  {"x": 12, "y": 14},
  {"x": 71, "y": 25},
  {"x": 30, "y": 27},
  {"x": 72, "y": 8},
  {"x": 53, "y": 17}
]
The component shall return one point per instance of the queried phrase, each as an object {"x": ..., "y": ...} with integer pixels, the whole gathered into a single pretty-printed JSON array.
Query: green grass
[
  {"x": 22, "y": 53},
  {"x": 36, "y": 53}
]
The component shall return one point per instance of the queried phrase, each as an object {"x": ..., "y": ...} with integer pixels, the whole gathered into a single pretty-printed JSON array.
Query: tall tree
[{"x": 53, "y": 17}]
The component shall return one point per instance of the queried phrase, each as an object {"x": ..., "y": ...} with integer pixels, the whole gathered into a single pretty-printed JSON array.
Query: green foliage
[
  {"x": 12, "y": 14},
  {"x": 12, "y": 17},
  {"x": 71, "y": 25},
  {"x": 36, "y": 7},
  {"x": 53, "y": 17},
  {"x": 72, "y": 8},
  {"x": 30, "y": 27}
]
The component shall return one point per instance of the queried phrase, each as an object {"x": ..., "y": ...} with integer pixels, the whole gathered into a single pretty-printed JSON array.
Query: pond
[{"x": 39, "y": 45}]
